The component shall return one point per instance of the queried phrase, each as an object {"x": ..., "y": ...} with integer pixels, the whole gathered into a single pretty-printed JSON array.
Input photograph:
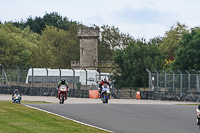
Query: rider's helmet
[
  {"x": 199, "y": 107},
  {"x": 63, "y": 81},
  {"x": 16, "y": 91},
  {"x": 104, "y": 80}
]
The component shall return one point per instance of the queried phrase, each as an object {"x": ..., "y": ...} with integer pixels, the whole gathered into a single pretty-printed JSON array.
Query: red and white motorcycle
[{"x": 62, "y": 93}]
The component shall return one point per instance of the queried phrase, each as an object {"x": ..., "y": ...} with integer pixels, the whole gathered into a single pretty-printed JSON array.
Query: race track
[{"x": 130, "y": 118}]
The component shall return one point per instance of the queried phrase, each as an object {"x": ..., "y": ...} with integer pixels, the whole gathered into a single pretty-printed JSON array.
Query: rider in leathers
[
  {"x": 62, "y": 82},
  {"x": 104, "y": 81}
]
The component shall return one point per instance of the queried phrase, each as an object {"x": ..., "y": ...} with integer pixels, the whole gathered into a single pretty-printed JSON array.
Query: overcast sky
[{"x": 139, "y": 18}]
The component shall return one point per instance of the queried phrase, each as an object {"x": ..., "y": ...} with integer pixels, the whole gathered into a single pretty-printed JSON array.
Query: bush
[{"x": 78, "y": 84}]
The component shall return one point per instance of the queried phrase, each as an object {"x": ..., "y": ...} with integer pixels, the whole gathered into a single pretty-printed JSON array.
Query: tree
[
  {"x": 156, "y": 41},
  {"x": 132, "y": 63},
  {"x": 188, "y": 55},
  {"x": 15, "y": 46},
  {"x": 38, "y": 24},
  {"x": 110, "y": 40},
  {"x": 56, "y": 49},
  {"x": 172, "y": 39}
]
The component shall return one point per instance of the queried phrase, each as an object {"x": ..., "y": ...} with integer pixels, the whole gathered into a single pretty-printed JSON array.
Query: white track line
[{"x": 68, "y": 118}]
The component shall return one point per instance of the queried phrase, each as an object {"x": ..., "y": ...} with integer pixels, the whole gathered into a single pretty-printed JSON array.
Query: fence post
[
  {"x": 59, "y": 73},
  {"x": 18, "y": 76},
  {"x": 198, "y": 81},
  {"x": 149, "y": 78},
  {"x": 99, "y": 71},
  {"x": 32, "y": 75},
  {"x": 181, "y": 80},
  {"x": 188, "y": 79},
  {"x": 59, "y": 78},
  {"x": 2, "y": 69},
  {"x": 165, "y": 80},
  {"x": 47, "y": 78},
  {"x": 173, "y": 79},
  {"x": 157, "y": 79},
  {"x": 73, "y": 77},
  {"x": 86, "y": 79}
]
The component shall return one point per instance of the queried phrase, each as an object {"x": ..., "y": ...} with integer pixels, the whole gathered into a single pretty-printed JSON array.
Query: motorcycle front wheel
[
  {"x": 63, "y": 98},
  {"x": 106, "y": 100}
]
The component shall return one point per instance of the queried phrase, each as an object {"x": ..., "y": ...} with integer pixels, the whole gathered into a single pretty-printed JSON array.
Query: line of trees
[{"x": 51, "y": 41}]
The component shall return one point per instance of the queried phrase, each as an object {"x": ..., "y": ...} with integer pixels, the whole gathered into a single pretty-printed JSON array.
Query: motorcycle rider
[
  {"x": 16, "y": 91},
  {"x": 198, "y": 118},
  {"x": 62, "y": 82},
  {"x": 102, "y": 82}
]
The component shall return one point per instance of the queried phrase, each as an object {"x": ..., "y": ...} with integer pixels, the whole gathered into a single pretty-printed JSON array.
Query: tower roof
[{"x": 88, "y": 32}]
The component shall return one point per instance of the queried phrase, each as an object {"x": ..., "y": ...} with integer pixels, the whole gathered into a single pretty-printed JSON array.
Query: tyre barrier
[
  {"x": 138, "y": 95},
  {"x": 179, "y": 96},
  {"x": 93, "y": 94},
  {"x": 38, "y": 91}
]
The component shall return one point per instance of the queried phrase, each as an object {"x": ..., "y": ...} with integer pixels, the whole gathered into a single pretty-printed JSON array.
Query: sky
[{"x": 139, "y": 18}]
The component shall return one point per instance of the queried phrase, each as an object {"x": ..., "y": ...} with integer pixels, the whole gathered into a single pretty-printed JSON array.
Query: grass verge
[{"x": 19, "y": 118}]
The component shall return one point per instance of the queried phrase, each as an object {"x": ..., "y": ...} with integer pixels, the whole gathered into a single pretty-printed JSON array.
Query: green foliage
[
  {"x": 38, "y": 24},
  {"x": 110, "y": 40},
  {"x": 172, "y": 39},
  {"x": 15, "y": 46},
  {"x": 78, "y": 84},
  {"x": 56, "y": 48},
  {"x": 188, "y": 55},
  {"x": 132, "y": 63}
]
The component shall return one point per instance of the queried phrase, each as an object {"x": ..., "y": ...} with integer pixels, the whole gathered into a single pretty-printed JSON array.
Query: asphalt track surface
[{"x": 130, "y": 118}]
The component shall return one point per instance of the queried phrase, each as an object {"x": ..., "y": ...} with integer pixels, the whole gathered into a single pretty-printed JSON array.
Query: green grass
[
  {"x": 34, "y": 102},
  {"x": 19, "y": 118}
]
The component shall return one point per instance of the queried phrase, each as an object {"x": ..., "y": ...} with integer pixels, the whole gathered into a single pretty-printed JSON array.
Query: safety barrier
[
  {"x": 161, "y": 95},
  {"x": 39, "y": 91},
  {"x": 138, "y": 95},
  {"x": 93, "y": 94}
]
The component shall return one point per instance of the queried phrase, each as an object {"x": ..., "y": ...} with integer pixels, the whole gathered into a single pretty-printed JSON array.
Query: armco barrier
[{"x": 93, "y": 94}]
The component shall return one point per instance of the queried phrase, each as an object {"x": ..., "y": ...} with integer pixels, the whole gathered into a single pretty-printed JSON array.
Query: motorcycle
[
  {"x": 17, "y": 98},
  {"x": 105, "y": 93},
  {"x": 198, "y": 117},
  {"x": 62, "y": 93}
]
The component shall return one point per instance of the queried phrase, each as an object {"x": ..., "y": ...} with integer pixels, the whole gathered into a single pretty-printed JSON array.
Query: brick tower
[{"x": 88, "y": 47}]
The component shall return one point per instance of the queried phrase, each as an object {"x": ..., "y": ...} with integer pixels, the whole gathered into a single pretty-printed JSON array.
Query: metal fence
[
  {"x": 172, "y": 85},
  {"x": 32, "y": 83},
  {"x": 20, "y": 77},
  {"x": 175, "y": 81}
]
